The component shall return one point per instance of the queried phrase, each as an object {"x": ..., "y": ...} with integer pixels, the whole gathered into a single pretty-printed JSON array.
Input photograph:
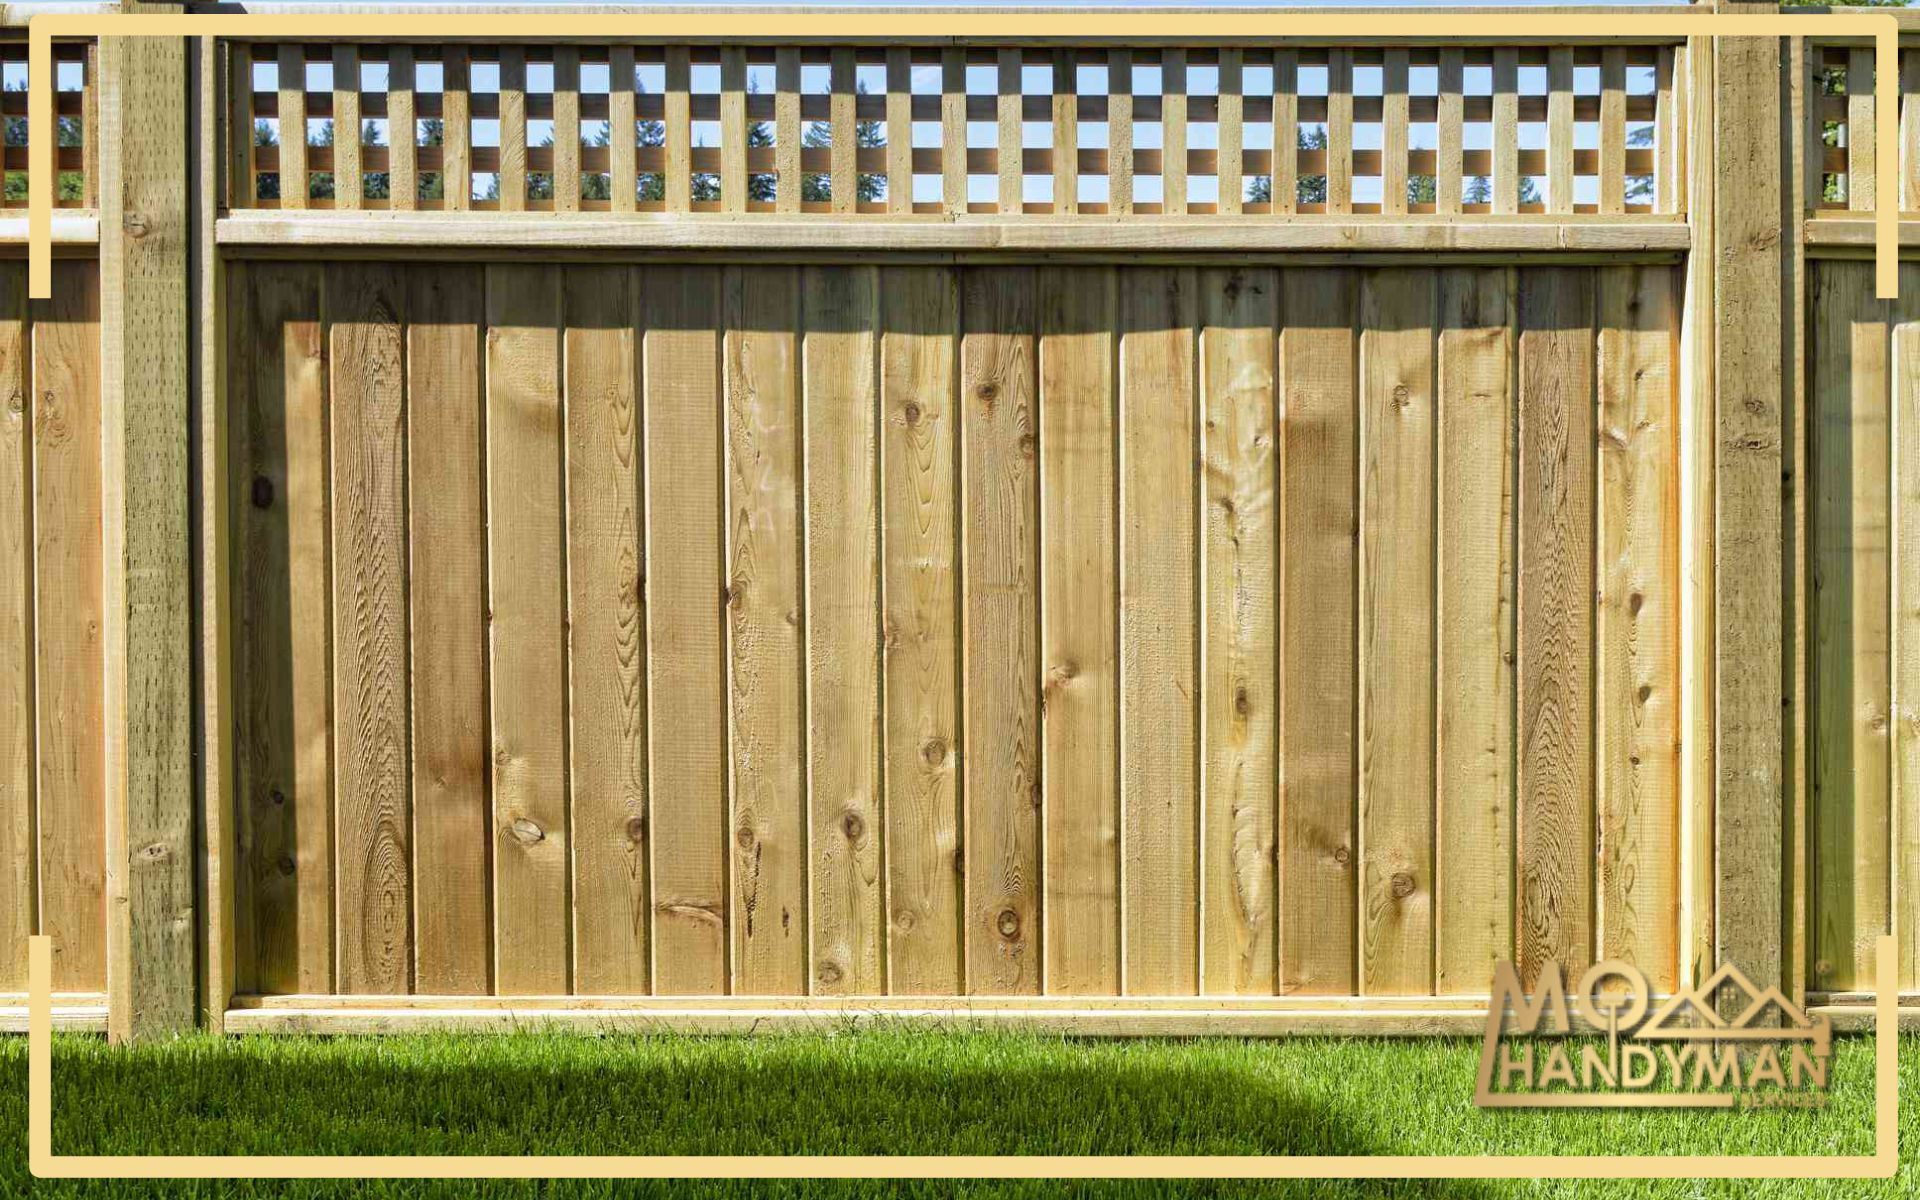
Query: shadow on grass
[{"x": 539, "y": 1095}]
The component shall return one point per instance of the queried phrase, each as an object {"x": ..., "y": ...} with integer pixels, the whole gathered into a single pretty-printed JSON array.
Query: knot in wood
[
  {"x": 911, "y": 412},
  {"x": 853, "y": 826},
  {"x": 988, "y": 393},
  {"x": 743, "y": 838},
  {"x": 286, "y": 865},
  {"x": 1341, "y": 855},
  {"x": 262, "y": 492},
  {"x": 1008, "y": 923},
  {"x": 636, "y": 829},
  {"x": 526, "y": 832},
  {"x": 933, "y": 751},
  {"x": 830, "y": 973},
  {"x": 16, "y": 402},
  {"x": 135, "y": 224},
  {"x": 1402, "y": 885}
]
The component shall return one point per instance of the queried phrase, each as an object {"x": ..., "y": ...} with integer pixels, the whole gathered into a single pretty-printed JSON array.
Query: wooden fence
[{"x": 1125, "y": 536}]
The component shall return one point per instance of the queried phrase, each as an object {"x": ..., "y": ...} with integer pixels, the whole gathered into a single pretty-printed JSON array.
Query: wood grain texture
[
  {"x": 1905, "y": 554},
  {"x": 1554, "y": 834},
  {"x": 1396, "y": 762},
  {"x": 920, "y": 628},
  {"x": 1636, "y": 625},
  {"x": 764, "y": 622},
  {"x": 686, "y": 698},
  {"x": 606, "y": 636},
  {"x": 1159, "y": 796},
  {"x": 147, "y": 592},
  {"x": 285, "y": 786},
  {"x": 999, "y": 428},
  {"x": 1473, "y": 526},
  {"x": 1749, "y": 333},
  {"x": 447, "y": 592},
  {"x": 373, "y": 895},
  {"x": 1318, "y": 473},
  {"x": 841, "y": 399},
  {"x": 19, "y": 908},
  {"x": 1079, "y": 630},
  {"x": 68, "y": 616},
  {"x": 1240, "y": 579},
  {"x": 1849, "y": 626},
  {"x": 526, "y": 565}
]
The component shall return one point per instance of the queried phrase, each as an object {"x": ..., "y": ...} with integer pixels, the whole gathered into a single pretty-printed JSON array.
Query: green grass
[{"x": 875, "y": 1092}]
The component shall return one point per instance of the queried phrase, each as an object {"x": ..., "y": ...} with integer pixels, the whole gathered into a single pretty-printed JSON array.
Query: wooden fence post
[
  {"x": 144, "y": 379},
  {"x": 1750, "y": 350}
]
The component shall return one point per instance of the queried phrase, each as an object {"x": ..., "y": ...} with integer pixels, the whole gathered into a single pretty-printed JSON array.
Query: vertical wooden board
[
  {"x": 1905, "y": 557},
  {"x": 18, "y": 907},
  {"x": 606, "y": 639},
  {"x": 285, "y": 789},
  {"x": 1850, "y": 626},
  {"x": 764, "y": 622},
  {"x": 1079, "y": 631},
  {"x": 68, "y": 610},
  {"x": 1159, "y": 796},
  {"x": 920, "y": 629},
  {"x": 1318, "y": 484},
  {"x": 1396, "y": 631},
  {"x": 1240, "y": 547},
  {"x": 512, "y": 175},
  {"x": 1636, "y": 626},
  {"x": 293, "y": 125},
  {"x": 841, "y": 461},
  {"x": 686, "y": 655},
  {"x": 999, "y": 429},
  {"x": 1554, "y": 838},
  {"x": 1473, "y": 526},
  {"x": 348, "y": 188},
  {"x": 447, "y": 590},
  {"x": 526, "y": 564},
  {"x": 373, "y": 885}
]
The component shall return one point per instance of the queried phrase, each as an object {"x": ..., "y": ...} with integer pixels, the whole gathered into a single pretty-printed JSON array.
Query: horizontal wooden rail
[{"x": 739, "y": 129}]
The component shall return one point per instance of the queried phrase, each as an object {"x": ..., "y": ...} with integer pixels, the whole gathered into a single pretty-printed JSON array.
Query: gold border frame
[{"x": 814, "y": 26}]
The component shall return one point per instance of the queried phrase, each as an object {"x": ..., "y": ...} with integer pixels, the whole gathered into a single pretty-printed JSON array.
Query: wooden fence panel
[
  {"x": 807, "y": 637},
  {"x": 52, "y": 772}
]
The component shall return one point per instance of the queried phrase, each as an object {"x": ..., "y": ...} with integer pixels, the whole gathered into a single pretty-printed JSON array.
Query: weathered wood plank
[
  {"x": 1318, "y": 474},
  {"x": 686, "y": 657},
  {"x": 1554, "y": 835},
  {"x": 293, "y": 126},
  {"x": 841, "y": 462},
  {"x": 285, "y": 784},
  {"x": 1473, "y": 525},
  {"x": 1636, "y": 626},
  {"x": 447, "y": 589},
  {"x": 1240, "y": 548},
  {"x": 1079, "y": 618},
  {"x": 920, "y": 633},
  {"x": 68, "y": 612},
  {"x": 512, "y": 175},
  {"x": 1905, "y": 555},
  {"x": 19, "y": 907},
  {"x": 1850, "y": 626},
  {"x": 606, "y": 636},
  {"x": 403, "y": 178},
  {"x": 349, "y": 187},
  {"x": 367, "y": 419},
  {"x": 764, "y": 620},
  {"x": 999, "y": 424},
  {"x": 1158, "y": 721},
  {"x": 527, "y": 599},
  {"x": 1396, "y": 760}
]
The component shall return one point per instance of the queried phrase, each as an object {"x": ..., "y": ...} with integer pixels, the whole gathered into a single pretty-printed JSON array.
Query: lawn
[{"x": 875, "y": 1092}]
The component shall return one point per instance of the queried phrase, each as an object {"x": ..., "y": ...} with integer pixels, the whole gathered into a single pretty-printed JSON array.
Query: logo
[{"x": 1607, "y": 1044}]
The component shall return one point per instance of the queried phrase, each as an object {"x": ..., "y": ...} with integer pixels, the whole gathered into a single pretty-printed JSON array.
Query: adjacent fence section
[
  {"x": 52, "y": 769},
  {"x": 74, "y": 124},
  {"x": 1532, "y": 129},
  {"x": 855, "y": 630},
  {"x": 1864, "y": 759}
]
